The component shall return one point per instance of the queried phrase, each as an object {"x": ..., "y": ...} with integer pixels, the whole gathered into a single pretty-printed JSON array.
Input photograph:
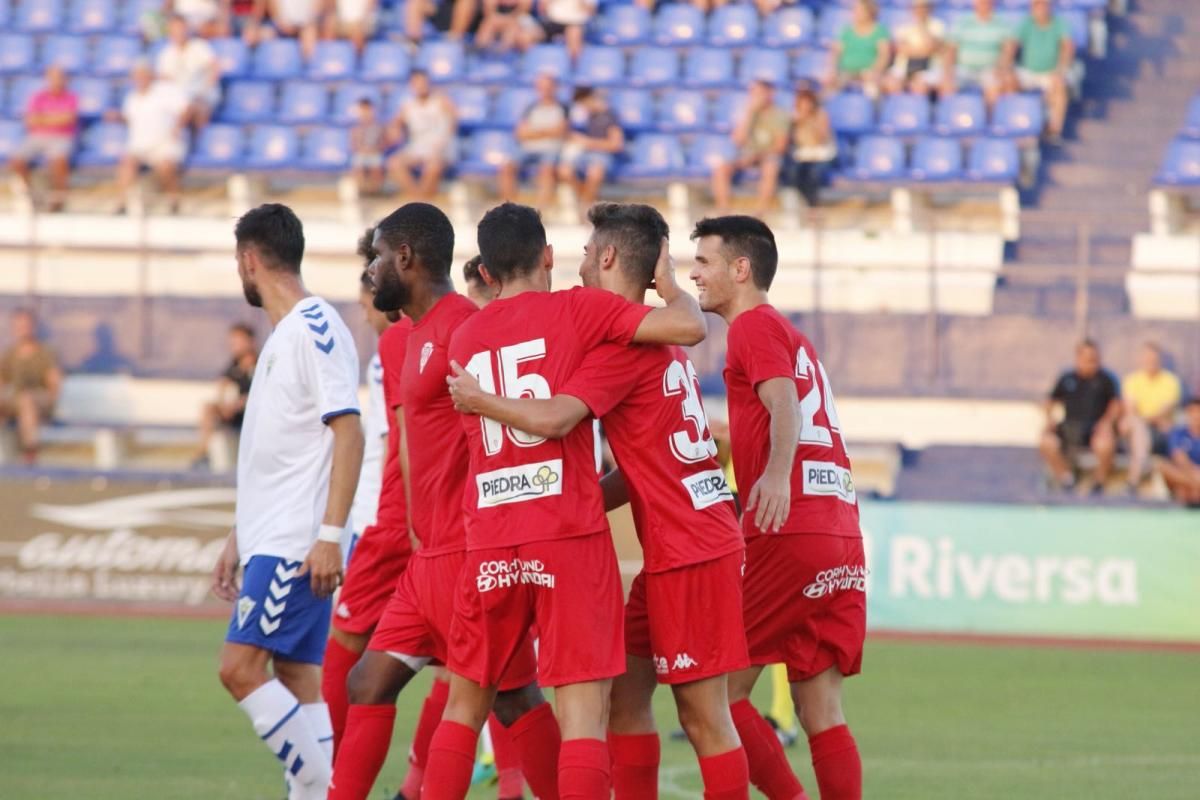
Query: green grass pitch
[{"x": 131, "y": 708}]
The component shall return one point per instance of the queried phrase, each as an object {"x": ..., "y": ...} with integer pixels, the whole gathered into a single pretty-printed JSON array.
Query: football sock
[
  {"x": 508, "y": 761},
  {"x": 583, "y": 770},
  {"x": 837, "y": 764},
  {"x": 364, "y": 749},
  {"x": 431, "y": 715},
  {"x": 537, "y": 740},
  {"x": 769, "y": 768},
  {"x": 322, "y": 725},
  {"x": 727, "y": 776},
  {"x": 635, "y": 761},
  {"x": 451, "y": 759},
  {"x": 275, "y": 714},
  {"x": 339, "y": 660}
]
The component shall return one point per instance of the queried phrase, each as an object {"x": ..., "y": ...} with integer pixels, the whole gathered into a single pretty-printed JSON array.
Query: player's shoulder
[
  {"x": 458, "y": 310},
  {"x": 761, "y": 320},
  {"x": 394, "y": 340}
]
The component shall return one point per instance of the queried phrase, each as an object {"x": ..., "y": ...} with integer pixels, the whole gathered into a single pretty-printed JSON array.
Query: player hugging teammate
[{"x": 495, "y": 410}]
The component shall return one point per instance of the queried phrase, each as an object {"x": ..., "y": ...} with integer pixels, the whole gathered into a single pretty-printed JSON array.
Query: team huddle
[{"x": 483, "y": 428}]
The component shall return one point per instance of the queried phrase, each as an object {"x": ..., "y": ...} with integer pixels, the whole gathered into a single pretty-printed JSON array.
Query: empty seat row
[{"x": 963, "y": 114}]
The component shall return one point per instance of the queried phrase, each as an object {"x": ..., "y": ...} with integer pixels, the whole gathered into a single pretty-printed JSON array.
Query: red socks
[
  {"x": 431, "y": 715},
  {"x": 583, "y": 770},
  {"x": 837, "y": 764},
  {"x": 727, "y": 776},
  {"x": 368, "y": 735},
  {"x": 537, "y": 740},
  {"x": 339, "y": 660},
  {"x": 451, "y": 760},
  {"x": 769, "y": 767},
  {"x": 508, "y": 762},
  {"x": 635, "y": 760}
]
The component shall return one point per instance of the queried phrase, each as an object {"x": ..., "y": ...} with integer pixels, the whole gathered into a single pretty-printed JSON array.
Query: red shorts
[
  {"x": 689, "y": 620},
  {"x": 806, "y": 603},
  {"x": 378, "y": 560},
  {"x": 571, "y": 589}
]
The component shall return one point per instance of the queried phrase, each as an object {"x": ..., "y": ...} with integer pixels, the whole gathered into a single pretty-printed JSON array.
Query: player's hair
[
  {"x": 242, "y": 328},
  {"x": 1150, "y": 344},
  {"x": 427, "y": 232},
  {"x": 365, "y": 249},
  {"x": 511, "y": 241},
  {"x": 635, "y": 231},
  {"x": 471, "y": 271},
  {"x": 744, "y": 237},
  {"x": 275, "y": 232},
  {"x": 418, "y": 72},
  {"x": 1194, "y": 400}
]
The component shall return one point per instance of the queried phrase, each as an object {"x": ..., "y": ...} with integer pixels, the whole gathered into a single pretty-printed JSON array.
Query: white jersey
[
  {"x": 307, "y": 375},
  {"x": 375, "y": 431}
]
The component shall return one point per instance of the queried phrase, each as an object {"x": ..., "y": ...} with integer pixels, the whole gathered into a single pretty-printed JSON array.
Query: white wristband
[{"x": 330, "y": 533}]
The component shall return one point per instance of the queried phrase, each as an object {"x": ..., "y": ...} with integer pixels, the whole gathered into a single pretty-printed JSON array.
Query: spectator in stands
[
  {"x": 1092, "y": 406},
  {"x": 454, "y": 18},
  {"x": 428, "y": 126},
  {"x": 367, "y": 139},
  {"x": 233, "y": 388},
  {"x": 813, "y": 147},
  {"x": 30, "y": 381},
  {"x": 156, "y": 113},
  {"x": 1047, "y": 64},
  {"x": 919, "y": 44},
  {"x": 211, "y": 19},
  {"x": 191, "y": 64},
  {"x": 505, "y": 26},
  {"x": 566, "y": 19},
  {"x": 1181, "y": 468},
  {"x": 591, "y": 150},
  {"x": 541, "y": 132},
  {"x": 861, "y": 55},
  {"x": 760, "y": 135},
  {"x": 351, "y": 19},
  {"x": 51, "y": 124},
  {"x": 983, "y": 46},
  {"x": 291, "y": 19},
  {"x": 1151, "y": 396}
]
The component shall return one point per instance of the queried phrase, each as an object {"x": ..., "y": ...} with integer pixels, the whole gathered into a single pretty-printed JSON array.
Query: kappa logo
[
  {"x": 684, "y": 661},
  {"x": 848, "y": 577},
  {"x": 518, "y": 484},
  {"x": 244, "y": 606},
  {"x": 343, "y": 611},
  {"x": 503, "y": 574},
  {"x": 426, "y": 352}
]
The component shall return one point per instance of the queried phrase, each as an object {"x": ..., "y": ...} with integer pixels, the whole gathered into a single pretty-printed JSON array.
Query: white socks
[
  {"x": 322, "y": 725},
  {"x": 289, "y": 733}
]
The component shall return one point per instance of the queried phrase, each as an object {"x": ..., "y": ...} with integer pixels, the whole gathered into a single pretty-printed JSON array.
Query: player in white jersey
[{"x": 298, "y": 463}]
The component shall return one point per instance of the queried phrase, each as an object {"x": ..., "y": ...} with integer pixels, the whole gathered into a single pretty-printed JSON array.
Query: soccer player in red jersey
[
  {"x": 683, "y": 622},
  {"x": 539, "y": 546},
  {"x": 804, "y": 590},
  {"x": 415, "y": 247}
]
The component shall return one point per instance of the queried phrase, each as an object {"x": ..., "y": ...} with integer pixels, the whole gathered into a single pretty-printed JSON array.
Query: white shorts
[{"x": 168, "y": 152}]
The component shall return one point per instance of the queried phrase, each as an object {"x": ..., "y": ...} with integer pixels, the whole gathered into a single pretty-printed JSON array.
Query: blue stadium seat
[
  {"x": 877, "y": 158},
  {"x": 1018, "y": 115},
  {"x": 233, "y": 56},
  {"x": 1077, "y": 23},
  {"x": 936, "y": 158},
  {"x": 682, "y": 111},
  {"x": 634, "y": 108},
  {"x": 511, "y": 105},
  {"x": 5, "y": 14},
  {"x": 1191, "y": 125},
  {"x": 394, "y": 102},
  {"x": 679, "y": 24},
  {"x": 485, "y": 151},
  {"x": 113, "y": 56},
  {"x": 810, "y": 65},
  {"x": 1181, "y": 164},
  {"x": 272, "y": 147},
  {"x": 994, "y": 161},
  {"x": 68, "y": 52},
  {"x": 963, "y": 114},
  {"x": 831, "y": 22},
  {"x": 763, "y": 65},
  {"x": 326, "y": 149},
  {"x": 444, "y": 61},
  {"x": 904, "y": 114},
  {"x": 303, "y": 102},
  {"x": 384, "y": 61},
  {"x": 600, "y": 66},
  {"x": 39, "y": 16},
  {"x": 348, "y": 95},
  {"x": 92, "y": 16},
  {"x": 12, "y": 132},
  {"x": 333, "y": 60},
  {"x": 472, "y": 104},
  {"x": 733, "y": 26},
  {"x": 851, "y": 113},
  {"x": 278, "y": 59},
  {"x": 623, "y": 25},
  {"x": 101, "y": 145},
  {"x": 95, "y": 96},
  {"x": 491, "y": 68},
  {"x": 708, "y": 68},
  {"x": 248, "y": 101},
  {"x": 545, "y": 58},
  {"x": 706, "y": 151},
  {"x": 16, "y": 54},
  {"x": 790, "y": 27},
  {"x": 218, "y": 147},
  {"x": 654, "y": 67},
  {"x": 653, "y": 155},
  {"x": 135, "y": 11},
  {"x": 19, "y": 93}
]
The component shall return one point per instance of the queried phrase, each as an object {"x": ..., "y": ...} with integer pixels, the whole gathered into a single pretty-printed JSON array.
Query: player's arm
[
  {"x": 679, "y": 322},
  {"x": 324, "y": 562},
  {"x": 402, "y": 457},
  {"x": 225, "y": 585},
  {"x": 550, "y": 419},
  {"x": 771, "y": 497},
  {"x": 615, "y": 490}
]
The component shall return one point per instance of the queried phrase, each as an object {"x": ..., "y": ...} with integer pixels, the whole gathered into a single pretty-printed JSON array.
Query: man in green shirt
[
  {"x": 1047, "y": 62},
  {"x": 862, "y": 52},
  {"x": 982, "y": 50}
]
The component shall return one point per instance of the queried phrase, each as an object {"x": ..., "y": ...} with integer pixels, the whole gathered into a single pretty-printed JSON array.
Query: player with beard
[{"x": 298, "y": 462}]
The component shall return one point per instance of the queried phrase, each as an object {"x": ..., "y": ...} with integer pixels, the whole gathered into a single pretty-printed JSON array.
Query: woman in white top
[
  {"x": 919, "y": 44},
  {"x": 428, "y": 127},
  {"x": 191, "y": 64}
]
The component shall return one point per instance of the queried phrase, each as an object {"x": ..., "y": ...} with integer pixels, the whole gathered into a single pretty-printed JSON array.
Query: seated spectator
[
  {"x": 428, "y": 126},
  {"x": 541, "y": 132},
  {"x": 565, "y": 18},
  {"x": 862, "y": 52},
  {"x": 761, "y": 137},
  {"x": 918, "y": 44},
  {"x": 505, "y": 25},
  {"x": 454, "y": 18},
  {"x": 1151, "y": 396},
  {"x": 291, "y": 19},
  {"x": 233, "y": 388},
  {"x": 707, "y": 6},
  {"x": 592, "y": 149},
  {"x": 367, "y": 139},
  {"x": 1092, "y": 406},
  {"x": 353, "y": 20},
  {"x": 30, "y": 381},
  {"x": 1181, "y": 468},
  {"x": 212, "y": 19},
  {"x": 1047, "y": 64},
  {"x": 156, "y": 113},
  {"x": 982, "y": 52},
  {"x": 813, "y": 147},
  {"x": 191, "y": 64},
  {"x": 51, "y": 124}
]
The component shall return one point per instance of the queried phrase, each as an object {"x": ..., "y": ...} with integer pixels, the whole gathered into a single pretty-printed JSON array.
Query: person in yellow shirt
[{"x": 1152, "y": 395}]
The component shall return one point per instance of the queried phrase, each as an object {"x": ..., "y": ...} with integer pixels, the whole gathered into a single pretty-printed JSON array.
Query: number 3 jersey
[
  {"x": 523, "y": 488},
  {"x": 762, "y": 345}
]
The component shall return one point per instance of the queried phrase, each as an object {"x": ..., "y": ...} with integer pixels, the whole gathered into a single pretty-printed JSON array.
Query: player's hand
[
  {"x": 771, "y": 501},
  {"x": 664, "y": 272},
  {"x": 464, "y": 389},
  {"x": 225, "y": 584},
  {"x": 324, "y": 568}
]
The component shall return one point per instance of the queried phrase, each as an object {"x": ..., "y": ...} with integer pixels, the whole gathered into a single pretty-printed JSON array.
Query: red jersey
[
  {"x": 437, "y": 444},
  {"x": 762, "y": 345},
  {"x": 649, "y": 399},
  {"x": 393, "y": 510},
  {"x": 523, "y": 488}
]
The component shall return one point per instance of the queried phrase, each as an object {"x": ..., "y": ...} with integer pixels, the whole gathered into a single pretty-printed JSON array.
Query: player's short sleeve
[
  {"x": 764, "y": 350},
  {"x": 331, "y": 362},
  {"x": 602, "y": 316},
  {"x": 605, "y": 378},
  {"x": 393, "y": 345}
]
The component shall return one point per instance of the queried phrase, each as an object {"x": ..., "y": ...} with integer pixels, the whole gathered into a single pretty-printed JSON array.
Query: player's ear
[
  {"x": 741, "y": 270},
  {"x": 403, "y": 257},
  {"x": 608, "y": 257},
  {"x": 548, "y": 257}
]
